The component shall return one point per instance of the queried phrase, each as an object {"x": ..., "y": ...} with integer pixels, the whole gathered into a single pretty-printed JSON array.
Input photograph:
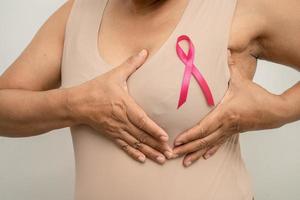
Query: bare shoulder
[
  {"x": 38, "y": 66},
  {"x": 268, "y": 29}
]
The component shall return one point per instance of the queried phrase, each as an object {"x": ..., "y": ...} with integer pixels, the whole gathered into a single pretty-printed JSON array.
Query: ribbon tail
[
  {"x": 185, "y": 85},
  {"x": 204, "y": 86}
]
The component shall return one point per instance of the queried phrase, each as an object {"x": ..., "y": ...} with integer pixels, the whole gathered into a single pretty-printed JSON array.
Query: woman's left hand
[{"x": 246, "y": 106}]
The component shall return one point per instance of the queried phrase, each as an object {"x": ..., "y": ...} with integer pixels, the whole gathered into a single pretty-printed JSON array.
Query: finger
[
  {"x": 192, "y": 157},
  {"x": 132, "y": 152},
  {"x": 206, "y": 126},
  {"x": 152, "y": 153},
  {"x": 139, "y": 118},
  {"x": 133, "y": 63},
  {"x": 145, "y": 149},
  {"x": 145, "y": 138},
  {"x": 211, "y": 151},
  {"x": 198, "y": 144}
]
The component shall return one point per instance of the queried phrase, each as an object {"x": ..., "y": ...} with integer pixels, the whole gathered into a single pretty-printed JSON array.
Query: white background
[{"x": 42, "y": 167}]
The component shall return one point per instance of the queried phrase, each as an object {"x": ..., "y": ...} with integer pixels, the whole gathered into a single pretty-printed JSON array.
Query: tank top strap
[
  {"x": 79, "y": 43},
  {"x": 84, "y": 16}
]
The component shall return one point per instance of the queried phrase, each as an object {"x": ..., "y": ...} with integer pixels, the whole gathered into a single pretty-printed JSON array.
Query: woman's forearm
[
  {"x": 26, "y": 113},
  {"x": 291, "y": 100}
]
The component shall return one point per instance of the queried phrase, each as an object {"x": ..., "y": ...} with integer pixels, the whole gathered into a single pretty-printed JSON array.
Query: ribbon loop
[{"x": 190, "y": 69}]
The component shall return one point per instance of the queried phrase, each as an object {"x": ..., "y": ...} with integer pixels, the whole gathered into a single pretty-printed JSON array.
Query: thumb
[{"x": 133, "y": 63}]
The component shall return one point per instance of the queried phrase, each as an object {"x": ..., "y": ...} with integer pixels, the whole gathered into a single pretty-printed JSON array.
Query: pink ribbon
[{"x": 190, "y": 69}]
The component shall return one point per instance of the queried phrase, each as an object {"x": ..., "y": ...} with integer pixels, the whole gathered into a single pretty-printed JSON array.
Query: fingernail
[
  {"x": 178, "y": 143},
  {"x": 160, "y": 159},
  {"x": 142, "y": 53},
  {"x": 164, "y": 138},
  {"x": 188, "y": 163},
  {"x": 142, "y": 158},
  {"x": 168, "y": 154},
  {"x": 206, "y": 156}
]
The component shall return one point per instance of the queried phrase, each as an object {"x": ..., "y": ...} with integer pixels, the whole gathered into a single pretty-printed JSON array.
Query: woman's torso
[{"x": 104, "y": 171}]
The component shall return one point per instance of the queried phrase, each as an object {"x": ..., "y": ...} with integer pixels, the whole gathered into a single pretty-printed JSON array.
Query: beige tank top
[{"x": 103, "y": 170}]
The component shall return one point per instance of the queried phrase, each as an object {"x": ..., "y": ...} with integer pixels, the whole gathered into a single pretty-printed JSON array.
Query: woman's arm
[
  {"x": 291, "y": 99},
  {"x": 279, "y": 40},
  {"x": 246, "y": 106},
  {"x": 26, "y": 108},
  {"x": 263, "y": 29},
  {"x": 32, "y": 103},
  {"x": 26, "y": 113},
  {"x": 280, "y": 43}
]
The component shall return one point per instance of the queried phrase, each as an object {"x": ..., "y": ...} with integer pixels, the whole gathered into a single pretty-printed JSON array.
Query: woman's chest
[
  {"x": 123, "y": 33},
  {"x": 156, "y": 86}
]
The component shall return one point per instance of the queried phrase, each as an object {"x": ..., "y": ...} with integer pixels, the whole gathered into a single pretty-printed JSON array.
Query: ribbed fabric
[{"x": 104, "y": 171}]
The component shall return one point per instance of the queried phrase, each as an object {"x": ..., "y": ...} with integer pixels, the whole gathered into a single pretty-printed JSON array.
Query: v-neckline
[{"x": 156, "y": 54}]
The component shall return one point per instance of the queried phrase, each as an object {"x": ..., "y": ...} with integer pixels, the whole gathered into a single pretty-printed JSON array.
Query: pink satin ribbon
[{"x": 190, "y": 69}]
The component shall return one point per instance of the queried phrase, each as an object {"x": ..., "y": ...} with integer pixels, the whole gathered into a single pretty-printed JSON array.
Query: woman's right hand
[{"x": 105, "y": 104}]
